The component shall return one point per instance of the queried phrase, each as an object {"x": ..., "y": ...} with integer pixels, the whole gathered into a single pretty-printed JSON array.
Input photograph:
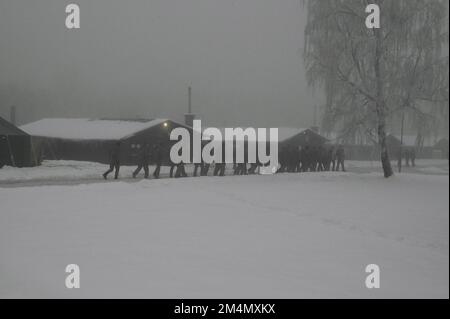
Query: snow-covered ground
[
  {"x": 280, "y": 236},
  {"x": 75, "y": 171}
]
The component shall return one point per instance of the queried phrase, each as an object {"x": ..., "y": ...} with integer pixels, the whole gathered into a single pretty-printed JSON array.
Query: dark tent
[{"x": 16, "y": 146}]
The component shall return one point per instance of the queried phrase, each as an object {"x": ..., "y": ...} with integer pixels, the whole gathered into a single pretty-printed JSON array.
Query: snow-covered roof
[
  {"x": 284, "y": 133},
  {"x": 88, "y": 129}
]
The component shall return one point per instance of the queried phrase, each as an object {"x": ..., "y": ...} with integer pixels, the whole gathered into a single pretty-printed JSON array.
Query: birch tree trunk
[{"x": 381, "y": 106}]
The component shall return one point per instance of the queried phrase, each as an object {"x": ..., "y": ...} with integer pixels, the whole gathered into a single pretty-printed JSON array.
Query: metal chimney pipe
[
  {"x": 189, "y": 117},
  {"x": 12, "y": 117},
  {"x": 189, "y": 104}
]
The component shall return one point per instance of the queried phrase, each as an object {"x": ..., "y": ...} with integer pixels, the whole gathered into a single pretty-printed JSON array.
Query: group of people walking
[
  {"x": 146, "y": 155},
  {"x": 311, "y": 158},
  {"x": 409, "y": 154},
  {"x": 291, "y": 159}
]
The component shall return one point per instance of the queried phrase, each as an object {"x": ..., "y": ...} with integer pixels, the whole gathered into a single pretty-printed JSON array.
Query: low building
[
  {"x": 299, "y": 137},
  {"x": 423, "y": 148},
  {"x": 296, "y": 137},
  {"x": 92, "y": 139}
]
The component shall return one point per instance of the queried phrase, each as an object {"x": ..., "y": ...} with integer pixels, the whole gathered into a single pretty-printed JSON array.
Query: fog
[{"x": 136, "y": 58}]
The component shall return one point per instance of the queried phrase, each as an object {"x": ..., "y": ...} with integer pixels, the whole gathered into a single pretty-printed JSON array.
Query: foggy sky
[{"x": 136, "y": 58}]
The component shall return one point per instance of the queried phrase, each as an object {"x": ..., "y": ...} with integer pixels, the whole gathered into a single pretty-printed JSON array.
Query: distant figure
[
  {"x": 114, "y": 161},
  {"x": 219, "y": 169},
  {"x": 172, "y": 168},
  {"x": 407, "y": 154},
  {"x": 282, "y": 159},
  {"x": 240, "y": 169},
  {"x": 298, "y": 157},
  {"x": 314, "y": 158},
  {"x": 328, "y": 158},
  {"x": 157, "y": 157},
  {"x": 340, "y": 157},
  {"x": 180, "y": 172},
  {"x": 321, "y": 158},
  {"x": 143, "y": 161},
  {"x": 399, "y": 159},
  {"x": 205, "y": 169},
  {"x": 304, "y": 163},
  {"x": 412, "y": 156},
  {"x": 253, "y": 168},
  {"x": 292, "y": 159},
  {"x": 196, "y": 167},
  {"x": 333, "y": 158}
]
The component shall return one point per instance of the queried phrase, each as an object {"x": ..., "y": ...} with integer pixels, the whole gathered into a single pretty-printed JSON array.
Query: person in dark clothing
[
  {"x": 291, "y": 159},
  {"x": 172, "y": 168},
  {"x": 282, "y": 159},
  {"x": 313, "y": 158},
  {"x": 143, "y": 161},
  {"x": 241, "y": 169},
  {"x": 413, "y": 157},
  {"x": 333, "y": 158},
  {"x": 304, "y": 159},
  {"x": 297, "y": 163},
  {"x": 328, "y": 158},
  {"x": 399, "y": 159},
  {"x": 222, "y": 169},
  {"x": 196, "y": 167},
  {"x": 205, "y": 169},
  {"x": 287, "y": 159},
  {"x": 407, "y": 154},
  {"x": 236, "y": 169},
  {"x": 340, "y": 156},
  {"x": 253, "y": 167},
  {"x": 114, "y": 161},
  {"x": 157, "y": 157},
  {"x": 180, "y": 172},
  {"x": 219, "y": 169},
  {"x": 321, "y": 158}
]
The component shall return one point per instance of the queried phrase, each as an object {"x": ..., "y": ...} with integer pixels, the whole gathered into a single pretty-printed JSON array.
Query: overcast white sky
[{"x": 136, "y": 58}]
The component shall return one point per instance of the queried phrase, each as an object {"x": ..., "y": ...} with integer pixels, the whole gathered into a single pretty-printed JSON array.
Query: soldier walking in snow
[
  {"x": 205, "y": 169},
  {"x": 333, "y": 158},
  {"x": 143, "y": 161},
  {"x": 340, "y": 156},
  {"x": 412, "y": 156},
  {"x": 219, "y": 169},
  {"x": 114, "y": 161},
  {"x": 196, "y": 167},
  {"x": 282, "y": 159},
  {"x": 315, "y": 158},
  {"x": 303, "y": 159},
  {"x": 158, "y": 156},
  {"x": 252, "y": 169},
  {"x": 407, "y": 153},
  {"x": 399, "y": 159},
  {"x": 241, "y": 169},
  {"x": 180, "y": 172},
  {"x": 321, "y": 158},
  {"x": 173, "y": 167}
]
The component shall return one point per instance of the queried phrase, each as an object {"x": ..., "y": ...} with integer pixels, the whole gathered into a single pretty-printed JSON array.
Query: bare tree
[{"x": 373, "y": 74}]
